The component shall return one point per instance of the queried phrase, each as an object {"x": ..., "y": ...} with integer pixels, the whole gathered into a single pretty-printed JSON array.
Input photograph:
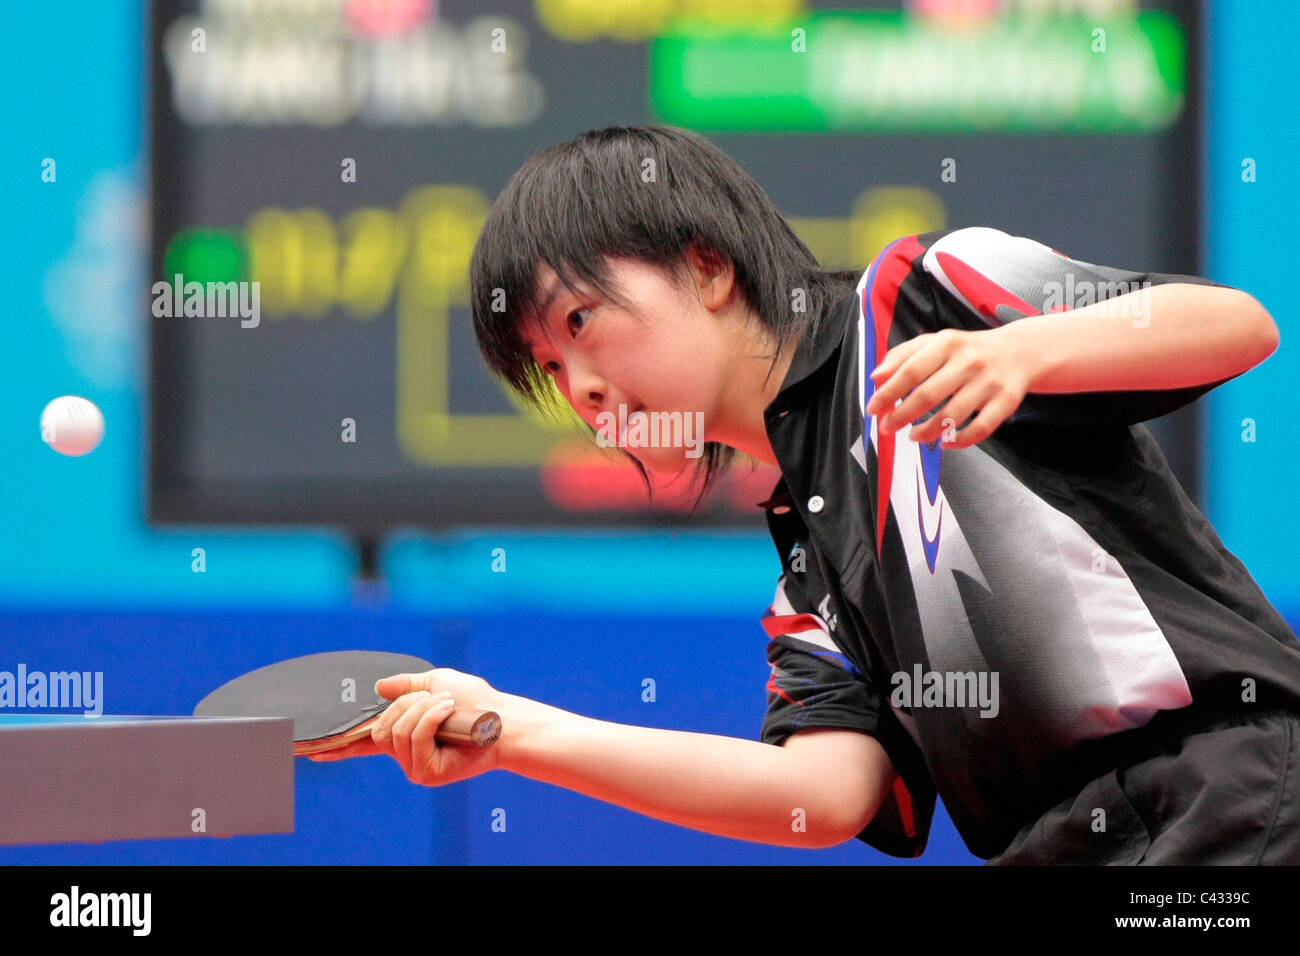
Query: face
[{"x": 663, "y": 351}]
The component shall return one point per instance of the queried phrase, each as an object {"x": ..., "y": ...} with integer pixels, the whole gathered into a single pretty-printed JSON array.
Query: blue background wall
[
  {"x": 1250, "y": 242},
  {"x": 86, "y": 585}
]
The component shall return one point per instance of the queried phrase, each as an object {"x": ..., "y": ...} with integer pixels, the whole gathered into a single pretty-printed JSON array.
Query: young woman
[{"x": 992, "y": 587}]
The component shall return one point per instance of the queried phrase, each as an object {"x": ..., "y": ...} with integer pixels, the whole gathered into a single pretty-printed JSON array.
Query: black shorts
[{"x": 1225, "y": 795}]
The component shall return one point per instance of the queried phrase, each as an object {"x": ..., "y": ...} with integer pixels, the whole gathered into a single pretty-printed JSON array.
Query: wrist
[
  {"x": 1028, "y": 346},
  {"x": 523, "y": 723}
]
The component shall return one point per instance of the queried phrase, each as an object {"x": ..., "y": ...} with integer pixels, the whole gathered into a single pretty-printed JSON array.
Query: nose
[{"x": 589, "y": 391}]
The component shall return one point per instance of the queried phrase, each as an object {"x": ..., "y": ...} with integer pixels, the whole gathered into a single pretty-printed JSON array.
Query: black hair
[{"x": 648, "y": 193}]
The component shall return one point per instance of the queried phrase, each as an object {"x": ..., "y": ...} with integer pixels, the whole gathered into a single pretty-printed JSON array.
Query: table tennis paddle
[{"x": 332, "y": 700}]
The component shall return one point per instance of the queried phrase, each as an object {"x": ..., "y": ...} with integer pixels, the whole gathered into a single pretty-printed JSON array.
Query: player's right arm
[{"x": 820, "y": 788}]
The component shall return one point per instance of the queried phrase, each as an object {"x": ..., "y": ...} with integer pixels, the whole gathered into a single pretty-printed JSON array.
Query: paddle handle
[{"x": 479, "y": 728}]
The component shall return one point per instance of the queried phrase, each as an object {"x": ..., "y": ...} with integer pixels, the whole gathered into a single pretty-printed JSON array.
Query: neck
[{"x": 750, "y": 390}]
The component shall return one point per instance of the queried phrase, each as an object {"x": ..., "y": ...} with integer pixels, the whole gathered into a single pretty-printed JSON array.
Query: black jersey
[{"x": 1011, "y": 618}]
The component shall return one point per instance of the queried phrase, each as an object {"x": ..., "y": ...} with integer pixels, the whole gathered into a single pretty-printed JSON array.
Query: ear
[{"x": 712, "y": 274}]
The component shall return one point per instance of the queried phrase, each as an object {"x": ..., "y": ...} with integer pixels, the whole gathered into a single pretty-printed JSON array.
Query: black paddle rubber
[{"x": 325, "y": 694}]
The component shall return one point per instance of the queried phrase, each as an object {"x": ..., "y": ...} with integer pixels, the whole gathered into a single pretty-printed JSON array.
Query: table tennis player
[{"x": 992, "y": 587}]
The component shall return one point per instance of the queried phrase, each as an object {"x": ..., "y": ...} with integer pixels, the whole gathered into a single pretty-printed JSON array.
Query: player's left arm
[{"x": 1169, "y": 336}]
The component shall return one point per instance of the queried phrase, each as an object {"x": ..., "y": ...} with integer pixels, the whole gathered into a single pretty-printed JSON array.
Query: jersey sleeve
[
  {"x": 984, "y": 278},
  {"x": 814, "y": 684}
]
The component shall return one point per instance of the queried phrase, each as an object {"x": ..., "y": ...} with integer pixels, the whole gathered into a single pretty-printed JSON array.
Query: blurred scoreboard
[{"x": 330, "y": 163}]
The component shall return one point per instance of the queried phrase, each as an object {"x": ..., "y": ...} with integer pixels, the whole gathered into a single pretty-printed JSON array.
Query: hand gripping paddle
[{"x": 332, "y": 700}]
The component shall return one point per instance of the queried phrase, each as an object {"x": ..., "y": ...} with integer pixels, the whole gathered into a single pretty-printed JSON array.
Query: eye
[{"x": 577, "y": 320}]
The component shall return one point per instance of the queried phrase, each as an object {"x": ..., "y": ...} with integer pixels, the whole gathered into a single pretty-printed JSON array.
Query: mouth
[{"x": 631, "y": 417}]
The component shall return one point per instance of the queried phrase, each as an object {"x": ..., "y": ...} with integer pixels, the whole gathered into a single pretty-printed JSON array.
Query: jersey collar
[{"x": 813, "y": 353}]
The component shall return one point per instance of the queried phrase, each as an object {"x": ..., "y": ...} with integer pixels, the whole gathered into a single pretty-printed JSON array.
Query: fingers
[
  {"x": 986, "y": 421},
  {"x": 906, "y": 366},
  {"x": 424, "y": 762},
  {"x": 953, "y": 414},
  {"x": 964, "y": 378},
  {"x": 901, "y": 382},
  {"x": 897, "y": 356},
  {"x": 931, "y": 392},
  {"x": 406, "y": 732},
  {"x": 391, "y": 688}
]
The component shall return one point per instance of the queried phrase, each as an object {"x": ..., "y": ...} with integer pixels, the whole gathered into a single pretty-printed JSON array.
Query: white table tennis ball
[{"x": 71, "y": 425}]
